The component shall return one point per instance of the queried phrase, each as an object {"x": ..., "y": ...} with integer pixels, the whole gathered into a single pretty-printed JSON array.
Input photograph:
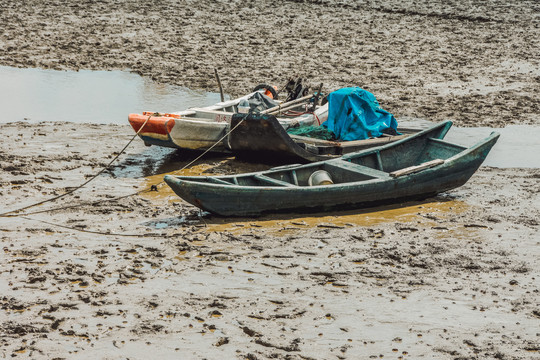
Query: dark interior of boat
[
  {"x": 338, "y": 148},
  {"x": 407, "y": 154}
]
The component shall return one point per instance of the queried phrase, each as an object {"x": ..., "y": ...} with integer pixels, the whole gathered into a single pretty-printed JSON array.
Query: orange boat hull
[{"x": 156, "y": 130}]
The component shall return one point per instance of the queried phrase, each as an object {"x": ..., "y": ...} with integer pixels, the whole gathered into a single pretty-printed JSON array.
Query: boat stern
[{"x": 156, "y": 130}]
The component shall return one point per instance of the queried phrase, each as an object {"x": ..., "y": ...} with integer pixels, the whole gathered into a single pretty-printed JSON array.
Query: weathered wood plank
[{"x": 218, "y": 181}]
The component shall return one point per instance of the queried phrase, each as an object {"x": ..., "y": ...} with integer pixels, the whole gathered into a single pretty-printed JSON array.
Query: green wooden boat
[{"x": 418, "y": 166}]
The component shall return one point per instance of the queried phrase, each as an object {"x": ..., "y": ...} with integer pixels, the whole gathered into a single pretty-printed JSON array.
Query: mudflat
[{"x": 93, "y": 276}]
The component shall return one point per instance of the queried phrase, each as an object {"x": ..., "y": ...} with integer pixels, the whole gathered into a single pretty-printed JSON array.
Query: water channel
[{"x": 88, "y": 96}]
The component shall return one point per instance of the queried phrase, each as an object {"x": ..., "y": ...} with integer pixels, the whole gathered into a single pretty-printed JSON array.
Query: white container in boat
[
  {"x": 243, "y": 107},
  {"x": 320, "y": 177}
]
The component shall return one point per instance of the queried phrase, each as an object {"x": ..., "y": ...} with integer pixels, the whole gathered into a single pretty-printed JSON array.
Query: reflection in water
[
  {"x": 159, "y": 160},
  {"x": 88, "y": 96}
]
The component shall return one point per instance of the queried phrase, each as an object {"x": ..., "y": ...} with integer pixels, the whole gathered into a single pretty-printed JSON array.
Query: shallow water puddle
[
  {"x": 88, "y": 96},
  {"x": 518, "y": 145}
]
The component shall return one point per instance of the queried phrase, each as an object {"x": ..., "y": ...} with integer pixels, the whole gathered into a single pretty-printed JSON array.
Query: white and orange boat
[{"x": 206, "y": 127}]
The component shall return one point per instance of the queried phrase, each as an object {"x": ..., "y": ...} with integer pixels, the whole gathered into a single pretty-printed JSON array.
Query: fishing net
[{"x": 316, "y": 132}]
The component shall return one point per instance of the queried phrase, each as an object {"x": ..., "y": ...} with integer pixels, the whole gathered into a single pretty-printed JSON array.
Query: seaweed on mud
[{"x": 12, "y": 328}]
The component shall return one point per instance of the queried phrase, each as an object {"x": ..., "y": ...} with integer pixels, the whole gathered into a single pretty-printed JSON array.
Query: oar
[
  {"x": 219, "y": 84},
  {"x": 286, "y": 106}
]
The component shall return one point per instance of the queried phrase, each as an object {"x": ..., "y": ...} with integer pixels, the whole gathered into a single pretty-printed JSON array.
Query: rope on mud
[
  {"x": 93, "y": 231},
  {"x": 24, "y": 216},
  {"x": 12, "y": 213}
]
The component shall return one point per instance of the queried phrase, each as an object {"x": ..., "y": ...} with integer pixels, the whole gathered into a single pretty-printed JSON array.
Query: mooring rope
[
  {"x": 25, "y": 215},
  {"x": 95, "y": 231},
  {"x": 7, "y": 213}
]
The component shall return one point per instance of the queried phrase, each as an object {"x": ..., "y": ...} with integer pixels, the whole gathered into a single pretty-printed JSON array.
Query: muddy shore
[{"x": 453, "y": 277}]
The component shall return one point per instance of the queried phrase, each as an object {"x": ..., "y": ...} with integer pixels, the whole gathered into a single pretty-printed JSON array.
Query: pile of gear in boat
[
  {"x": 263, "y": 124},
  {"x": 353, "y": 113}
]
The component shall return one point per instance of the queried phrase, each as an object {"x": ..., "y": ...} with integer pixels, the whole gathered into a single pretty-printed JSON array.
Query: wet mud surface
[
  {"x": 474, "y": 62},
  {"x": 148, "y": 275}
]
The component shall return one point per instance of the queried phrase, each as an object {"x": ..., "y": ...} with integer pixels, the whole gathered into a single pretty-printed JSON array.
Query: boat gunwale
[
  {"x": 467, "y": 150},
  {"x": 331, "y": 143},
  {"x": 447, "y": 124}
]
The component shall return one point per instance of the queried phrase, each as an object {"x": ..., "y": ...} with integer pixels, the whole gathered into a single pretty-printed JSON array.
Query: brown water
[
  {"x": 87, "y": 96},
  {"x": 338, "y": 219}
]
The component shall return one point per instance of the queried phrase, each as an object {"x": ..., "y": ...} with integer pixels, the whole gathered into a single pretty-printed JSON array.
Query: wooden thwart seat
[
  {"x": 416, "y": 168},
  {"x": 347, "y": 165},
  {"x": 218, "y": 181},
  {"x": 272, "y": 181}
]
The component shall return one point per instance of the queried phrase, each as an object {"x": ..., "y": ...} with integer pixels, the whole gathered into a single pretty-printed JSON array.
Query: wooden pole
[
  {"x": 219, "y": 84},
  {"x": 283, "y": 109}
]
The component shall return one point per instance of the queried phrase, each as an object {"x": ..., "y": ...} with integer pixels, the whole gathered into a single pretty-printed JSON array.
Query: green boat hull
[{"x": 416, "y": 167}]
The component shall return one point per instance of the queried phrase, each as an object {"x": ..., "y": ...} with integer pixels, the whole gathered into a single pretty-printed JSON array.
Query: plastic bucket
[{"x": 320, "y": 177}]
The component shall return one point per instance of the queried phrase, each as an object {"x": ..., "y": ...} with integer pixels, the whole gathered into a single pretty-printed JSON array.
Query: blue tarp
[{"x": 355, "y": 114}]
